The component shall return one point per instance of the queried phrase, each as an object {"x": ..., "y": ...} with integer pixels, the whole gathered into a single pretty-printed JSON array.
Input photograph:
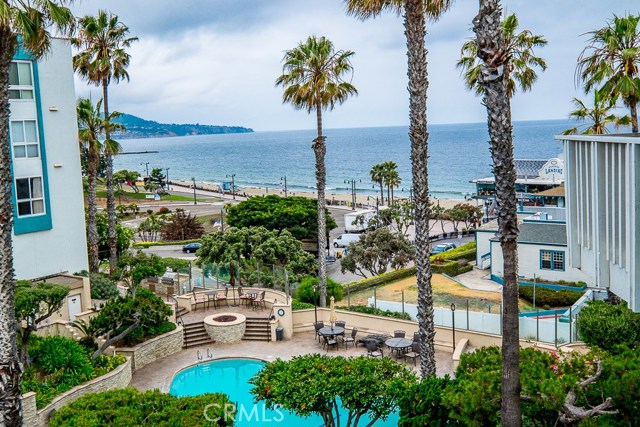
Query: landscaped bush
[
  {"x": 129, "y": 407},
  {"x": 304, "y": 291},
  {"x": 608, "y": 326},
  {"x": 142, "y": 334},
  {"x": 102, "y": 287},
  {"x": 176, "y": 264},
  {"x": 422, "y": 404},
  {"x": 466, "y": 251},
  {"x": 365, "y": 309},
  {"x": 545, "y": 296},
  {"x": 382, "y": 279},
  {"x": 59, "y": 364},
  {"x": 452, "y": 268},
  {"x": 299, "y": 305}
]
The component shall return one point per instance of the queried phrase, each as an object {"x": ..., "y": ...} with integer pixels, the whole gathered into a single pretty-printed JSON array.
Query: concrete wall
[
  {"x": 64, "y": 247},
  {"x": 118, "y": 378},
  {"x": 154, "y": 349}
]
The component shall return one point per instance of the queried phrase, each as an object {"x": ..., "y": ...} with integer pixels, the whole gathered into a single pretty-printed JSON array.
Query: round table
[
  {"x": 331, "y": 332},
  {"x": 398, "y": 344}
]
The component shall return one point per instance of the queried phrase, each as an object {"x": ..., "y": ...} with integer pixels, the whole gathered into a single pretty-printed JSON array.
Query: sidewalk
[{"x": 478, "y": 280}]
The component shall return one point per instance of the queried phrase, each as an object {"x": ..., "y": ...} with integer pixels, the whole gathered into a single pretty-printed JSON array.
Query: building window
[
  {"x": 30, "y": 197},
  {"x": 24, "y": 139},
  {"x": 20, "y": 80},
  {"x": 552, "y": 260}
]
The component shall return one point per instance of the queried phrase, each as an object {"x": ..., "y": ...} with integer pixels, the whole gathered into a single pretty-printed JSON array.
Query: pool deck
[{"x": 160, "y": 374}]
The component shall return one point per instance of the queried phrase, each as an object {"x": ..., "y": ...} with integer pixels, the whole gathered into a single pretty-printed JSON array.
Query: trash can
[{"x": 279, "y": 333}]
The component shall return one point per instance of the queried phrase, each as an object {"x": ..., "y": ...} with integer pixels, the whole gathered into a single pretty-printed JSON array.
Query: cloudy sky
[{"x": 215, "y": 61}]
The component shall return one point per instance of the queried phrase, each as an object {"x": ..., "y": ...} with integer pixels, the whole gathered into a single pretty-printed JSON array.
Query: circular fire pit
[{"x": 225, "y": 327}]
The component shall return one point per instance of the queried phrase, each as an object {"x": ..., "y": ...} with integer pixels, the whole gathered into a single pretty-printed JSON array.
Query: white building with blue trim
[{"x": 49, "y": 224}]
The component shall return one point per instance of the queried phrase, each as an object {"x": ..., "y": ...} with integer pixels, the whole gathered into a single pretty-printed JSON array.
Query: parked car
[
  {"x": 443, "y": 247},
  {"x": 331, "y": 258},
  {"x": 191, "y": 248},
  {"x": 344, "y": 240}
]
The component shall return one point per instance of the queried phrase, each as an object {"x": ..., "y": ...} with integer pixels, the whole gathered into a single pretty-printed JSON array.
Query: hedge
[
  {"x": 466, "y": 251},
  {"x": 390, "y": 276},
  {"x": 549, "y": 297},
  {"x": 146, "y": 245},
  {"x": 299, "y": 305},
  {"x": 451, "y": 268},
  {"x": 365, "y": 309}
]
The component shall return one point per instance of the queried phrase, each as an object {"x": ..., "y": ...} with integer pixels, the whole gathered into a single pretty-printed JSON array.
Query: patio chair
[
  {"x": 352, "y": 338},
  {"x": 260, "y": 301},
  {"x": 372, "y": 349},
  {"x": 219, "y": 297},
  {"x": 329, "y": 342},
  {"x": 341, "y": 324},
  {"x": 243, "y": 297},
  {"x": 414, "y": 353},
  {"x": 319, "y": 325},
  {"x": 399, "y": 334},
  {"x": 201, "y": 299},
  {"x": 416, "y": 337}
]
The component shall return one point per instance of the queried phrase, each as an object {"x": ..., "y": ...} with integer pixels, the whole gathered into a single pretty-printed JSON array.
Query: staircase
[
  {"x": 195, "y": 334},
  {"x": 257, "y": 329}
]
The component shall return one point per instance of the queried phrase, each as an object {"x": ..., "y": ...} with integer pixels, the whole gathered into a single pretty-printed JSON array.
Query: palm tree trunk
[
  {"x": 111, "y": 200},
  {"x": 633, "y": 107},
  {"x": 10, "y": 368},
  {"x": 381, "y": 193},
  {"x": 491, "y": 51},
  {"x": 415, "y": 31},
  {"x": 92, "y": 227},
  {"x": 320, "y": 149},
  {"x": 389, "y": 194}
]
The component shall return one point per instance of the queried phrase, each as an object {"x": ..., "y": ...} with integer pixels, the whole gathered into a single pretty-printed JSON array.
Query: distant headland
[{"x": 140, "y": 128}]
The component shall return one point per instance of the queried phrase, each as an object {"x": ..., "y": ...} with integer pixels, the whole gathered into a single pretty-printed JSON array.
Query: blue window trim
[
  {"x": 32, "y": 224},
  {"x": 564, "y": 260}
]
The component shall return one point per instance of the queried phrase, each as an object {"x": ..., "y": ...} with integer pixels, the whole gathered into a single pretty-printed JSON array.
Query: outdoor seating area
[
  {"x": 229, "y": 297},
  {"x": 335, "y": 336}
]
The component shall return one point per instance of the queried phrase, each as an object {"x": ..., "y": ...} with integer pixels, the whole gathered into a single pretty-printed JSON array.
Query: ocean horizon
[{"x": 458, "y": 153}]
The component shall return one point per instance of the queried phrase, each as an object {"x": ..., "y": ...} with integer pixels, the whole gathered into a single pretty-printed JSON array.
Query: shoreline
[{"x": 332, "y": 198}]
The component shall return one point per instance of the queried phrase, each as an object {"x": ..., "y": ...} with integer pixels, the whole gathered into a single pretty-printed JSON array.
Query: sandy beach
[{"x": 333, "y": 199}]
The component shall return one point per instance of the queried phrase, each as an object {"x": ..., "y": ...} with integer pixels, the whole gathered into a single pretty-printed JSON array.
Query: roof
[
  {"x": 542, "y": 233},
  {"x": 552, "y": 192},
  {"x": 528, "y": 168}
]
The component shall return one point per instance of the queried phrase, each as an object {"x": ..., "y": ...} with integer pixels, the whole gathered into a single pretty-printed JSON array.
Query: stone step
[
  {"x": 256, "y": 338},
  {"x": 194, "y": 343}
]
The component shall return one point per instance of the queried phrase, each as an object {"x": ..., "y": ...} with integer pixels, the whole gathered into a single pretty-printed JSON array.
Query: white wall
[
  {"x": 64, "y": 247},
  {"x": 529, "y": 264},
  {"x": 483, "y": 245}
]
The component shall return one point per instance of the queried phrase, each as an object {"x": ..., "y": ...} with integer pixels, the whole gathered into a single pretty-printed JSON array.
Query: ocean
[{"x": 458, "y": 153}]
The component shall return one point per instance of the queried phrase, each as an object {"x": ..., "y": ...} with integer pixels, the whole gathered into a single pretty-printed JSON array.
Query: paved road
[{"x": 173, "y": 251}]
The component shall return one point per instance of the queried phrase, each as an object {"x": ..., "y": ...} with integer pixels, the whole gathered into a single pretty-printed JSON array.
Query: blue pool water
[{"x": 231, "y": 376}]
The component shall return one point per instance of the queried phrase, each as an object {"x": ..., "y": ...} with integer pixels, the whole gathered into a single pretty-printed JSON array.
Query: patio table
[
  {"x": 331, "y": 332},
  {"x": 398, "y": 344}
]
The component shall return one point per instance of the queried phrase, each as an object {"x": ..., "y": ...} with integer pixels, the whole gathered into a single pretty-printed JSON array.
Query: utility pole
[
  {"x": 195, "y": 201},
  {"x": 233, "y": 184},
  {"x": 147, "y": 165},
  {"x": 284, "y": 178},
  {"x": 352, "y": 182}
]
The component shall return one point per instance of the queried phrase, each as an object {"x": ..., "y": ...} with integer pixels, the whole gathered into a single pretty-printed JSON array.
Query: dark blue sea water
[{"x": 458, "y": 153}]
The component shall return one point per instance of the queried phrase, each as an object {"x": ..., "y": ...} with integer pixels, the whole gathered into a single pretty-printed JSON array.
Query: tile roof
[
  {"x": 542, "y": 233},
  {"x": 529, "y": 168}
]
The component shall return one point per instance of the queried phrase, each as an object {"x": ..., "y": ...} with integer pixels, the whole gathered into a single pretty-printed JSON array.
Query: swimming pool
[{"x": 231, "y": 376}]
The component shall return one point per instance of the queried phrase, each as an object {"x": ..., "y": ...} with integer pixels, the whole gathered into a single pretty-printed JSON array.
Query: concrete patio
[{"x": 160, "y": 374}]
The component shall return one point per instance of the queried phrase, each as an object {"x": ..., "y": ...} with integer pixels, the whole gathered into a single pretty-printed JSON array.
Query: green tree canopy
[
  {"x": 250, "y": 246},
  {"x": 298, "y": 215},
  {"x": 305, "y": 292},
  {"x": 597, "y": 117},
  {"x": 124, "y": 235},
  {"x": 127, "y": 177},
  {"x": 376, "y": 251},
  {"x": 607, "y": 325},
  {"x": 319, "y": 384}
]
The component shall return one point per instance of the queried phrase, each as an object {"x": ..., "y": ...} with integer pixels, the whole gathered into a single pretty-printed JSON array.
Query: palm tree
[
  {"x": 415, "y": 14},
  {"x": 377, "y": 176},
  {"x": 492, "y": 51},
  {"x": 522, "y": 60},
  {"x": 391, "y": 178},
  {"x": 598, "y": 116},
  {"x": 102, "y": 41},
  {"x": 313, "y": 79},
  {"x": 29, "y": 22},
  {"x": 612, "y": 58}
]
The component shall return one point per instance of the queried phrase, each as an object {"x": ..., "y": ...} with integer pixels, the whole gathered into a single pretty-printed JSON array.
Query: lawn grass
[
  {"x": 207, "y": 222},
  {"x": 131, "y": 197}
]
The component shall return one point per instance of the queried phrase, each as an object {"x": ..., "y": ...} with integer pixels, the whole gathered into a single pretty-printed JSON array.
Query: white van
[{"x": 344, "y": 240}]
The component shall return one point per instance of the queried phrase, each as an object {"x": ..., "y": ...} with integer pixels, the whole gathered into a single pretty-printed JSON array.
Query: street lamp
[
  {"x": 315, "y": 300},
  {"x": 167, "y": 169},
  {"x": 233, "y": 184},
  {"x": 352, "y": 182},
  {"x": 284, "y": 178},
  {"x": 147, "y": 165},
  {"x": 195, "y": 201}
]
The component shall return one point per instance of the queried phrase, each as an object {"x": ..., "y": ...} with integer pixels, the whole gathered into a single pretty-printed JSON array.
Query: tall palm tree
[
  {"x": 377, "y": 176},
  {"x": 102, "y": 58},
  {"x": 492, "y": 51},
  {"x": 393, "y": 181},
  {"x": 391, "y": 177},
  {"x": 520, "y": 69},
  {"x": 314, "y": 80},
  {"x": 598, "y": 116},
  {"x": 31, "y": 22},
  {"x": 415, "y": 14},
  {"x": 612, "y": 59}
]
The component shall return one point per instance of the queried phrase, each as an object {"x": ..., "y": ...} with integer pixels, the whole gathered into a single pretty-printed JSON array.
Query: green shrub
[
  {"x": 466, "y": 251},
  {"x": 299, "y": 305},
  {"x": 365, "y": 309},
  {"x": 129, "y": 407},
  {"x": 422, "y": 404},
  {"x": 608, "y": 326},
  {"x": 176, "y": 264},
  {"x": 304, "y": 291},
  {"x": 452, "y": 268},
  {"x": 56, "y": 354},
  {"x": 545, "y": 296},
  {"x": 388, "y": 277},
  {"x": 102, "y": 287}
]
